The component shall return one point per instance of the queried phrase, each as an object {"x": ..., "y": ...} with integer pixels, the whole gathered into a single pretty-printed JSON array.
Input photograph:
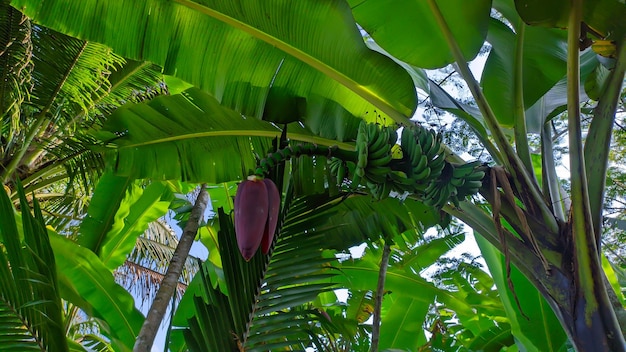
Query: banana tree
[{"x": 316, "y": 79}]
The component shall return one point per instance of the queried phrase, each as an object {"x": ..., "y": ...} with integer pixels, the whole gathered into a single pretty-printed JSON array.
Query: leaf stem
[
  {"x": 550, "y": 178},
  {"x": 598, "y": 141},
  {"x": 510, "y": 159},
  {"x": 521, "y": 136},
  {"x": 590, "y": 291}
]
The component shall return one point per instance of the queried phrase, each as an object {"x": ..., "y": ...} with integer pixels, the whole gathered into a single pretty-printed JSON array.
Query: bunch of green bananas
[
  {"x": 338, "y": 168},
  {"x": 456, "y": 183},
  {"x": 423, "y": 159},
  {"x": 420, "y": 169},
  {"x": 374, "y": 145}
]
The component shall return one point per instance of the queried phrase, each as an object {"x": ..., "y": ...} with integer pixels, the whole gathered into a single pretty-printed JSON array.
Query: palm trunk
[
  {"x": 380, "y": 290},
  {"x": 146, "y": 336}
]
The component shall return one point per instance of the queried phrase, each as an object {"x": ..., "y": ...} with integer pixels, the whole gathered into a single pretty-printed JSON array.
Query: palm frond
[
  {"x": 15, "y": 69},
  {"x": 146, "y": 265},
  {"x": 30, "y": 305},
  {"x": 263, "y": 292},
  {"x": 69, "y": 72}
]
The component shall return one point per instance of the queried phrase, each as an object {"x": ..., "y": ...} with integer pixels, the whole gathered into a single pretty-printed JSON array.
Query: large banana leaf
[
  {"x": 87, "y": 283},
  {"x": 163, "y": 138},
  {"x": 30, "y": 304},
  {"x": 535, "y": 326},
  {"x": 539, "y": 54},
  {"x": 188, "y": 136},
  {"x": 251, "y": 55},
  {"x": 393, "y": 24},
  {"x": 543, "y": 65},
  {"x": 150, "y": 204},
  {"x": 603, "y": 16},
  {"x": 109, "y": 194}
]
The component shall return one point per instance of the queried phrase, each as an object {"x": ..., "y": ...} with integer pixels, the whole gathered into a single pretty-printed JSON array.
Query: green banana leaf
[
  {"x": 252, "y": 55},
  {"x": 188, "y": 136},
  {"x": 604, "y": 16},
  {"x": 82, "y": 274},
  {"x": 405, "y": 289},
  {"x": 394, "y": 24},
  {"x": 535, "y": 326},
  {"x": 542, "y": 62},
  {"x": 138, "y": 209},
  {"x": 543, "y": 65},
  {"x": 108, "y": 196}
]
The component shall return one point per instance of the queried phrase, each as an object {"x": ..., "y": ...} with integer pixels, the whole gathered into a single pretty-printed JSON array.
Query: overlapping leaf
[
  {"x": 535, "y": 326},
  {"x": 189, "y": 136},
  {"x": 30, "y": 303},
  {"x": 409, "y": 30},
  {"x": 84, "y": 276},
  {"x": 251, "y": 55}
]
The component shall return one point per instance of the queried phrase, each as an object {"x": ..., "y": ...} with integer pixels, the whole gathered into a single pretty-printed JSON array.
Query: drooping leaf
[
  {"x": 161, "y": 139},
  {"x": 87, "y": 276},
  {"x": 100, "y": 218},
  {"x": 401, "y": 327},
  {"x": 535, "y": 326},
  {"x": 393, "y": 24},
  {"x": 543, "y": 65},
  {"x": 30, "y": 304},
  {"x": 134, "y": 214},
  {"x": 281, "y": 65},
  {"x": 606, "y": 17}
]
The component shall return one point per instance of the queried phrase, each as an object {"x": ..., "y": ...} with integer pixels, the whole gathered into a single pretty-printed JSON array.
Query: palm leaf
[
  {"x": 259, "y": 294},
  {"x": 15, "y": 68},
  {"x": 145, "y": 266},
  {"x": 30, "y": 305}
]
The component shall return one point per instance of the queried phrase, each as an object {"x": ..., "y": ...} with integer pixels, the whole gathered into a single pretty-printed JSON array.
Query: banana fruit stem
[{"x": 273, "y": 159}]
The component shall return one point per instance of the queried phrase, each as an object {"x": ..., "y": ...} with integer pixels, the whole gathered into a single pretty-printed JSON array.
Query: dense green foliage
[{"x": 101, "y": 126}]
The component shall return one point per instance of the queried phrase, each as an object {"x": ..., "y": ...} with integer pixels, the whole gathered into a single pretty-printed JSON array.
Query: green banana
[
  {"x": 382, "y": 151},
  {"x": 400, "y": 177},
  {"x": 421, "y": 165},
  {"x": 457, "y": 182},
  {"x": 356, "y": 180},
  {"x": 362, "y": 156},
  {"x": 423, "y": 175},
  {"x": 341, "y": 174},
  {"x": 475, "y": 176},
  {"x": 380, "y": 161},
  {"x": 407, "y": 137},
  {"x": 378, "y": 141}
]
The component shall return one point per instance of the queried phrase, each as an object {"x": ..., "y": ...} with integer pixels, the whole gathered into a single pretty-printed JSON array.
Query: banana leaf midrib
[
  {"x": 317, "y": 64},
  {"x": 244, "y": 133}
]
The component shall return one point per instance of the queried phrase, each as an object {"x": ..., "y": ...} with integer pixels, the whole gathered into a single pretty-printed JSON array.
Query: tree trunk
[
  {"x": 380, "y": 291},
  {"x": 146, "y": 336}
]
